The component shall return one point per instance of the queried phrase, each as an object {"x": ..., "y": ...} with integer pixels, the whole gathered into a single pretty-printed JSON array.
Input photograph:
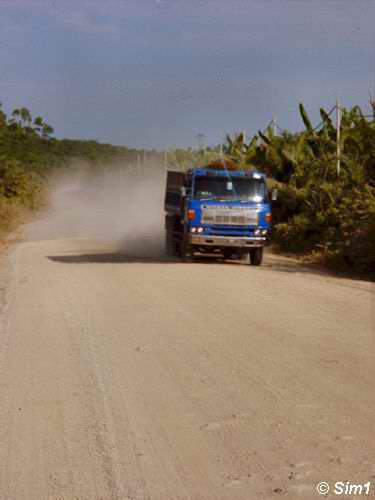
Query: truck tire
[
  {"x": 170, "y": 246},
  {"x": 256, "y": 256},
  {"x": 186, "y": 252}
]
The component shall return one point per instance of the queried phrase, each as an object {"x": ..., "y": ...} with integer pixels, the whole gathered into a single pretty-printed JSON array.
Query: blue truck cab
[{"x": 217, "y": 211}]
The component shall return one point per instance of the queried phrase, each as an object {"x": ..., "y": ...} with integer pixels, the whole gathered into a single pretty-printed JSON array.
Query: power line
[
  {"x": 268, "y": 126},
  {"x": 328, "y": 114}
]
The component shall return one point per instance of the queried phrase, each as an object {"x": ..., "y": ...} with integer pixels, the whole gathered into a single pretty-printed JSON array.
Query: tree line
[{"x": 29, "y": 154}]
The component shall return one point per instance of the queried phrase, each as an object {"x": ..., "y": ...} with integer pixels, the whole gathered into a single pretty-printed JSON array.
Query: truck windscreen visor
[{"x": 231, "y": 188}]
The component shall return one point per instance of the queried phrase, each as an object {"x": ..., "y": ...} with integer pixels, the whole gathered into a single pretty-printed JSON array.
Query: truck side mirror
[
  {"x": 274, "y": 194},
  {"x": 185, "y": 191}
]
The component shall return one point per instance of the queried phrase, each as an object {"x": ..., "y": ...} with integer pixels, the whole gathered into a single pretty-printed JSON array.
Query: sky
[{"x": 156, "y": 73}]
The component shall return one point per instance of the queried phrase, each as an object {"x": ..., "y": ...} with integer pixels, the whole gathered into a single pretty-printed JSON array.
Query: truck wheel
[
  {"x": 186, "y": 252},
  {"x": 170, "y": 246},
  {"x": 256, "y": 256}
]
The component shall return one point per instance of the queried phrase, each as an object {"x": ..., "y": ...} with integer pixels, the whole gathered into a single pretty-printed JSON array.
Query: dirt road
[{"x": 127, "y": 378}]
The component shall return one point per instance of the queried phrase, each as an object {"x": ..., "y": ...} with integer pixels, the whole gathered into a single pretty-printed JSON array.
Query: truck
[{"x": 217, "y": 211}]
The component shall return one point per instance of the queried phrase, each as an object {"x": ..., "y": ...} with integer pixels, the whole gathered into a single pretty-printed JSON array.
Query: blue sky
[{"x": 155, "y": 73}]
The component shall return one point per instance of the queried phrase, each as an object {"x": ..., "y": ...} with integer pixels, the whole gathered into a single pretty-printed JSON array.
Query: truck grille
[{"x": 229, "y": 215}]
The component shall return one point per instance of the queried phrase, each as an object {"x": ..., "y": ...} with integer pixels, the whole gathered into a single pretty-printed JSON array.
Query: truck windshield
[{"x": 230, "y": 188}]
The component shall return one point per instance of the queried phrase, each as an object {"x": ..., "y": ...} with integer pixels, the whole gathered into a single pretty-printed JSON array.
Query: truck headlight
[
  {"x": 193, "y": 229},
  {"x": 257, "y": 232},
  {"x": 200, "y": 230},
  {"x": 264, "y": 232}
]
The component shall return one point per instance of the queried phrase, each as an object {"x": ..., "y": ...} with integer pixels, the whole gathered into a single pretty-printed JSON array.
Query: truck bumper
[{"x": 226, "y": 241}]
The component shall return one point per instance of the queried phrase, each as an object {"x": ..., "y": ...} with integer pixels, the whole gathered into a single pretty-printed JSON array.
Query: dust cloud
[{"x": 118, "y": 205}]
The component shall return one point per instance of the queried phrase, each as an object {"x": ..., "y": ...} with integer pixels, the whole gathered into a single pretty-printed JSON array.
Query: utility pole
[
  {"x": 274, "y": 125},
  {"x": 222, "y": 140},
  {"x": 338, "y": 135},
  {"x": 200, "y": 138},
  {"x": 372, "y": 103},
  {"x": 165, "y": 159},
  {"x": 372, "y": 95}
]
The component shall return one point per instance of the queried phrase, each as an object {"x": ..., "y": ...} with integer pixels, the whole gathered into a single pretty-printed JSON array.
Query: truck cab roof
[{"x": 204, "y": 171}]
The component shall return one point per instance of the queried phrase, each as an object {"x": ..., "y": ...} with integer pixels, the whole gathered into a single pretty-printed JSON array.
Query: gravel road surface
[{"x": 130, "y": 378}]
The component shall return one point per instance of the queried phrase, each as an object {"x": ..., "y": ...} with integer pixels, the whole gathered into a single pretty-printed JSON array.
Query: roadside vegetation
[
  {"x": 321, "y": 212},
  {"x": 29, "y": 155}
]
